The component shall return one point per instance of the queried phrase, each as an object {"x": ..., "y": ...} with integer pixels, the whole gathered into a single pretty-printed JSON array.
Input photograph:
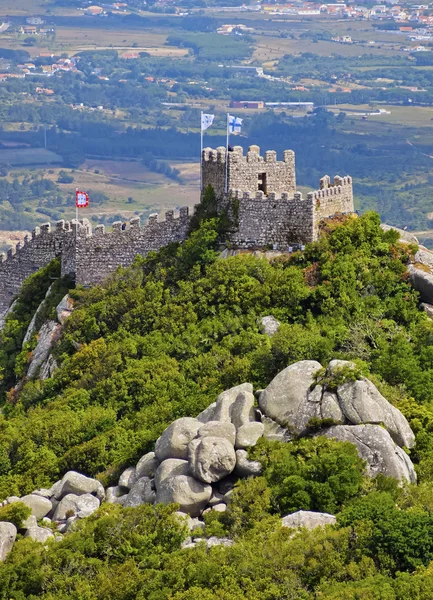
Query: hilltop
[{"x": 159, "y": 341}]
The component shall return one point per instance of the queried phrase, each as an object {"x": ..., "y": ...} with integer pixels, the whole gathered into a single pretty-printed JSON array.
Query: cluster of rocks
[
  {"x": 197, "y": 461},
  {"x": 54, "y": 510}
]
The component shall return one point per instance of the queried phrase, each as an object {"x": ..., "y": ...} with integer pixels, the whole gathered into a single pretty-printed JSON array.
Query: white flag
[
  {"x": 235, "y": 124},
  {"x": 206, "y": 121}
]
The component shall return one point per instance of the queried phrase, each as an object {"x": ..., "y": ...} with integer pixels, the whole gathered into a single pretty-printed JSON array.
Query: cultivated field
[
  {"x": 121, "y": 180},
  {"x": 29, "y": 156}
]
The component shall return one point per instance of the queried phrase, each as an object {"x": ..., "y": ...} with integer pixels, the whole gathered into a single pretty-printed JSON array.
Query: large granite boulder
[
  {"x": 292, "y": 400},
  {"x": 246, "y": 467},
  {"x": 242, "y": 409},
  {"x": 142, "y": 492},
  {"x": 173, "y": 442},
  {"x": 46, "y": 337},
  {"x": 8, "y": 533},
  {"x": 249, "y": 434},
  {"x": 39, "y": 534},
  {"x": 75, "y": 483},
  {"x": 146, "y": 466},
  {"x": 211, "y": 458},
  {"x": 171, "y": 468},
  {"x": 40, "y": 506},
  {"x": 361, "y": 402},
  {"x": 376, "y": 447},
  {"x": 285, "y": 400},
  {"x": 308, "y": 519},
  {"x": 222, "y": 409},
  {"x": 422, "y": 281},
  {"x": 128, "y": 478},
  {"x": 73, "y": 505},
  {"x": 64, "y": 308},
  {"x": 191, "y": 495},
  {"x": 218, "y": 429}
]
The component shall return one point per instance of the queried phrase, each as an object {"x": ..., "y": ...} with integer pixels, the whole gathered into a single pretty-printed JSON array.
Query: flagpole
[
  {"x": 227, "y": 154},
  {"x": 201, "y": 151},
  {"x": 76, "y": 207}
]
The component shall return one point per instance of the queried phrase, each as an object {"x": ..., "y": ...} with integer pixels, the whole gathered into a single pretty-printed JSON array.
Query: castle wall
[
  {"x": 100, "y": 253},
  {"x": 86, "y": 256},
  {"x": 276, "y": 219},
  {"x": 333, "y": 197},
  {"x": 21, "y": 262}
]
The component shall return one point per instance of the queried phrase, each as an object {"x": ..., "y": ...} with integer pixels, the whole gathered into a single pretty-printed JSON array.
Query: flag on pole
[
  {"x": 206, "y": 121},
  {"x": 234, "y": 124},
  {"x": 81, "y": 199}
]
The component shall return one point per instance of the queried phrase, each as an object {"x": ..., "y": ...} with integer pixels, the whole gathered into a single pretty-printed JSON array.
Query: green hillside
[{"x": 160, "y": 340}]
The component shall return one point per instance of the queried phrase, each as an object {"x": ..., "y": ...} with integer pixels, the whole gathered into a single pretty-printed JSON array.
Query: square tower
[{"x": 247, "y": 173}]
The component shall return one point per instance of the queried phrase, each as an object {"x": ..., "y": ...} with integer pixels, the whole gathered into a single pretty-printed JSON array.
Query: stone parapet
[{"x": 86, "y": 254}]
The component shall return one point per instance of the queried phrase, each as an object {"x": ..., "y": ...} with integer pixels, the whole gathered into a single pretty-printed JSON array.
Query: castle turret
[
  {"x": 230, "y": 171},
  {"x": 260, "y": 197}
]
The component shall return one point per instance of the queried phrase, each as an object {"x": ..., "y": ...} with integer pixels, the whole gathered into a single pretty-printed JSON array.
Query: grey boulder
[
  {"x": 211, "y": 458},
  {"x": 308, "y": 519},
  {"x": 242, "y": 409},
  {"x": 274, "y": 432},
  {"x": 147, "y": 465},
  {"x": 361, "y": 402},
  {"x": 376, "y": 447},
  {"x": 285, "y": 400},
  {"x": 226, "y": 399},
  {"x": 173, "y": 442},
  {"x": 422, "y": 281},
  {"x": 191, "y": 495},
  {"x": 128, "y": 478},
  {"x": 8, "y": 533},
  {"x": 207, "y": 414},
  {"x": 171, "y": 468},
  {"x": 75, "y": 483},
  {"x": 244, "y": 466},
  {"x": 219, "y": 429},
  {"x": 142, "y": 492},
  {"x": 64, "y": 308},
  {"x": 39, "y": 505},
  {"x": 39, "y": 534},
  {"x": 72, "y": 505},
  {"x": 114, "y": 494},
  {"x": 269, "y": 325},
  {"x": 47, "y": 334},
  {"x": 249, "y": 434}
]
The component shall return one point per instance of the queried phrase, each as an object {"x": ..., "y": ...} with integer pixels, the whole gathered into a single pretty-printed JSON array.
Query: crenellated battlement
[
  {"x": 87, "y": 254},
  {"x": 257, "y": 192}
]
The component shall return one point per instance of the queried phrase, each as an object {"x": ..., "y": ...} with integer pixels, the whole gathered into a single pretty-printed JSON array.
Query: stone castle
[{"x": 259, "y": 194}]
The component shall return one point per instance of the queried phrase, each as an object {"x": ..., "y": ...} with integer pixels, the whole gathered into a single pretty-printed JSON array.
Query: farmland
[{"x": 122, "y": 115}]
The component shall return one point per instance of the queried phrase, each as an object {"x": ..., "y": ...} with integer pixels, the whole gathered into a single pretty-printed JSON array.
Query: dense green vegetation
[
  {"x": 158, "y": 341},
  {"x": 161, "y": 339}
]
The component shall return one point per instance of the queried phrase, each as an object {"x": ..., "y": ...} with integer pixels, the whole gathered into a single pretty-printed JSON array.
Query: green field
[{"x": 29, "y": 156}]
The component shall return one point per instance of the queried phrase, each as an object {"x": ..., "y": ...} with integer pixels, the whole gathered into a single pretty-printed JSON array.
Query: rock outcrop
[
  {"x": 308, "y": 519},
  {"x": 376, "y": 447},
  {"x": 8, "y": 533},
  {"x": 197, "y": 461}
]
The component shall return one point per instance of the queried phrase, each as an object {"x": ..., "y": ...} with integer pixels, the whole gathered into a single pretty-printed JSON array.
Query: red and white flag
[{"x": 81, "y": 199}]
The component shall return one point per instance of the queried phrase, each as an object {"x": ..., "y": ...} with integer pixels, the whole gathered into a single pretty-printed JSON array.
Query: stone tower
[
  {"x": 260, "y": 197},
  {"x": 249, "y": 173}
]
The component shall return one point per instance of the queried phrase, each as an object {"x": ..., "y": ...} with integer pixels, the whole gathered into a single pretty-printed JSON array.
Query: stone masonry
[
  {"x": 259, "y": 194},
  {"x": 88, "y": 256}
]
